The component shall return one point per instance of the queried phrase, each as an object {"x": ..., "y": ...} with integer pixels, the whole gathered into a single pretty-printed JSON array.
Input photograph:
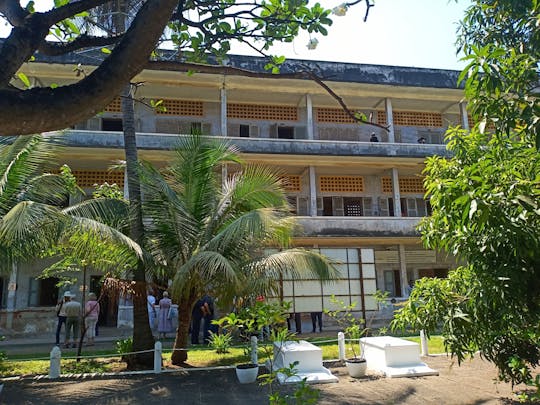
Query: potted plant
[
  {"x": 256, "y": 320},
  {"x": 353, "y": 328}
]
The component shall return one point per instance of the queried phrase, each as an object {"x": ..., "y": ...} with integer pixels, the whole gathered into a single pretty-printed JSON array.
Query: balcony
[
  {"x": 153, "y": 141},
  {"x": 358, "y": 226}
]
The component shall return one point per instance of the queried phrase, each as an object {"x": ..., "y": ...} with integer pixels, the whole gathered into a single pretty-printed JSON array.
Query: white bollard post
[
  {"x": 341, "y": 345},
  {"x": 254, "y": 349},
  {"x": 424, "y": 343},
  {"x": 157, "y": 357},
  {"x": 54, "y": 367}
]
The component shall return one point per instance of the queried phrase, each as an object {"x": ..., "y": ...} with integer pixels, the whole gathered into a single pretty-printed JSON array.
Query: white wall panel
[
  {"x": 339, "y": 255},
  {"x": 336, "y": 288},
  {"x": 367, "y": 255},
  {"x": 307, "y": 288},
  {"x": 368, "y": 270}
]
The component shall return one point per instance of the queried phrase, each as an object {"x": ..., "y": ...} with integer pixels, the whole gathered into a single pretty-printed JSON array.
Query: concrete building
[{"x": 357, "y": 201}]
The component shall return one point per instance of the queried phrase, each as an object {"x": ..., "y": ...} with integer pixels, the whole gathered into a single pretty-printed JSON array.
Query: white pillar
[
  {"x": 312, "y": 192},
  {"x": 341, "y": 345},
  {"x": 396, "y": 192},
  {"x": 11, "y": 302},
  {"x": 254, "y": 349},
  {"x": 424, "y": 343},
  {"x": 464, "y": 115},
  {"x": 157, "y": 357},
  {"x": 54, "y": 364},
  {"x": 309, "y": 114},
  {"x": 403, "y": 270},
  {"x": 223, "y": 97},
  {"x": 389, "y": 119}
]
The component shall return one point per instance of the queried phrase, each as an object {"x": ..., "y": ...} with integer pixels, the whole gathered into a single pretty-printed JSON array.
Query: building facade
[{"x": 356, "y": 200}]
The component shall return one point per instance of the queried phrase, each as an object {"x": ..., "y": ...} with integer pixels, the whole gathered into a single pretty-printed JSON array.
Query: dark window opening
[
  {"x": 43, "y": 292},
  {"x": 244, "y": 131},
  {"x": 353, "y": 207},
  {"x": 328, "y": 207},
  {"x": 111, "y": 124},
  {"x": 285, "y": 132}
]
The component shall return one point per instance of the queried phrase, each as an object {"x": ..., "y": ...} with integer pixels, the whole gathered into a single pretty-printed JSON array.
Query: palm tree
[
  {"x": 211, "y": 235},
  {"x": 40, "y": 210}
]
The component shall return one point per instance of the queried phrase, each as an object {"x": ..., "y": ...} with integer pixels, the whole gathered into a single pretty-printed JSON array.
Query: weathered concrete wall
[
  {"x": 115, "y": 140},
  {"x": 357, "y": 227}
]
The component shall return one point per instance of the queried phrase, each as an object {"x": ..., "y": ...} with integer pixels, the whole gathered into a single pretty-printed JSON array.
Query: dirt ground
[{"x": 471, "y": 383}]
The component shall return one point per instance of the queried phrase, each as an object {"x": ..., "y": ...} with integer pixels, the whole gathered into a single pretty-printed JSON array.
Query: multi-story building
[{"x": 357, "y": 201}]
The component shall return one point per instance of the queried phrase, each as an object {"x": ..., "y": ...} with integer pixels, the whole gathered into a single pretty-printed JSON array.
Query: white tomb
[
  {"x": 394, "y": 357},
  {"x": 309, "y": 358}
]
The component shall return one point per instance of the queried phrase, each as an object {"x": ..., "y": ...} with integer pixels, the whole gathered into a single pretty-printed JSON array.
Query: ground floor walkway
[{"x": 471, "y": 383}]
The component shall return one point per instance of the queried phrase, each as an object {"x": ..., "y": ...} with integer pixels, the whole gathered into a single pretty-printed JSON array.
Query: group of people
[
  {"x": 316, "y": 320},
  {"x": 162, "y": 319},
  {"x": 70, "y": 313}
]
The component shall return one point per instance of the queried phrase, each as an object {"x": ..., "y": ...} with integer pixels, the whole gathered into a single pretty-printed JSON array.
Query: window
[
  {"x": 244, "y": 131},
  {"x": 285, "y": 132},
  {"x": 392, "y": 283},
  {"x": 111, "y": 124},
  {"x": 42, "y": 292}
]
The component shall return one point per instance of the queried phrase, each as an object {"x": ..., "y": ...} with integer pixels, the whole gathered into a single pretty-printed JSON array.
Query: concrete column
[
  {"x": 11, "y": 301},
  {"x": 397, "y": 195},
  {"x": 312, "y": 192},
  {"x": 389, "y": 119},
  {"x": 464, "y": 115},
  {"x": 403, "y": 270},
  {"x": 223, "y": 98},
  {"x": 309, "y": 114}
]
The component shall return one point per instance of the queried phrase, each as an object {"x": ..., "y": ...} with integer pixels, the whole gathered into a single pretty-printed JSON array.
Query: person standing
[
  {"x": 61, "y": 315},
  {"x": 164, "y": 320},
  {"x": 316, "y": 317},
  {"x": 73, "y": 325},
  {"x": 196, "y": 317},
  {"x": 208, "y": 317},
  {"x": 91, "y": 315},
  {"x": 151, "y": 302}
]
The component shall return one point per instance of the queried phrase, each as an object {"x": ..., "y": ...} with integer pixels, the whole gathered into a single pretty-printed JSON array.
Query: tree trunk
[
  {"x": 184, "y": 318},
  {"x": 142, "y": 335}
]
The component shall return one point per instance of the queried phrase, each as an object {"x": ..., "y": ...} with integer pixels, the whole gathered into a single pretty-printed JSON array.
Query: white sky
[{"x": 419, "y": 33}]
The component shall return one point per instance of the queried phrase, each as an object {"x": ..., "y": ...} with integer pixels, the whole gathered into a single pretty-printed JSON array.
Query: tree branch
[
  {"x": 83, "y": 41},
  {"x": 47, "y": 109},
  {"x": 304, "y": 74},
  {"x": 13, "y": 12},
  {"x": 69, "y": 10}
]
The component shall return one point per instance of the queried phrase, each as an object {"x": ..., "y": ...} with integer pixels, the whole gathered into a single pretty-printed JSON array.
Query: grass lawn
[{"x": 199, "y": 356}]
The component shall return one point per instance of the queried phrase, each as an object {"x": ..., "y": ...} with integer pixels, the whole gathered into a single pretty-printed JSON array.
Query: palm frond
[
  {"x": 294, "y": 263},
  {"x": 109, "y": 211},
  {"x": 30, "y": 227},
  {"x": 21, "y": 160}
]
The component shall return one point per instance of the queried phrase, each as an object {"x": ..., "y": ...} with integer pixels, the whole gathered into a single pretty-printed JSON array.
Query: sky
[{"x": 419, "y": 33}]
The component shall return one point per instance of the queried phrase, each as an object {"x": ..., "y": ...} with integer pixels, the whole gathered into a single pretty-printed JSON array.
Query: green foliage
[
  {"x": 221, "y": 343},
  {"x": 486, "y": 200},
  {"x": 261, "y": 24},
  {"x": 303, "y": 393},
  {"x": 352, "y": 326},
  {"x": 124, "y": 345},
  {"x": 107, "y": 190}
]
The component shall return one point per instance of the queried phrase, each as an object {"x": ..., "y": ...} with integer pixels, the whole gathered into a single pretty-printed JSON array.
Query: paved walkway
[{"x": 472, "y": 383}]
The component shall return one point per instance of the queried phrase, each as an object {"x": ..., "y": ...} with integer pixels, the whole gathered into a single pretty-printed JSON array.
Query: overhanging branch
[
  {"x": 303, "y": 74},
  {"x": 84, "y": 41}
]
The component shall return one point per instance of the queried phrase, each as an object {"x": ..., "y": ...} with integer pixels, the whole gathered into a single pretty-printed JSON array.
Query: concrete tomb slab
[
  {"x": 394, "y": 357},
  {"x": 309, "y": 358}
]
